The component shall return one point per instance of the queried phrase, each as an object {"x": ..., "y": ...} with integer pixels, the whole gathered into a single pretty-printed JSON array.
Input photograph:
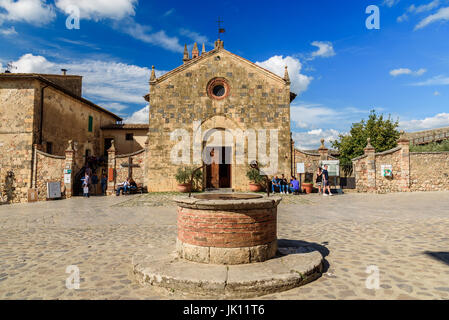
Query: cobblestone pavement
[{"x": 405, "y": 235}]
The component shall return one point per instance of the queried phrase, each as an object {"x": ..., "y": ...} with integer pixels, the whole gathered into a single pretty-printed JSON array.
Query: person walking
[
  {"x": 319, "y": 179},
  {"x": 326, "y": 183}
]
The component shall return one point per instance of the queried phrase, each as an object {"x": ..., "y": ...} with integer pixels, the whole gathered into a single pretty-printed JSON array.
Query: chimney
[{"x": 64, "y": 72}]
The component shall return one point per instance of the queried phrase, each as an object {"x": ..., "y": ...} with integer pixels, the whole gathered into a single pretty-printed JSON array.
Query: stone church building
[
  {"x": 217, "y": 93},
  {"x": 212, "y": 95}
]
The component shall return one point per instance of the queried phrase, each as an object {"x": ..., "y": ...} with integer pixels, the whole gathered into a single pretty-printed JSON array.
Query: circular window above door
[{"x": 218, "y": 88}]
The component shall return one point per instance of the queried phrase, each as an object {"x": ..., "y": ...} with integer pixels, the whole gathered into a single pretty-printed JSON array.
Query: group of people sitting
[
  {"x": 126, "y": 187},
  {"x": 283, "y": 186}
]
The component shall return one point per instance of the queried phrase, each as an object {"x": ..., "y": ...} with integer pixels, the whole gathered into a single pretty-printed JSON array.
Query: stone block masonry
[{"x": 425, "y": 171}]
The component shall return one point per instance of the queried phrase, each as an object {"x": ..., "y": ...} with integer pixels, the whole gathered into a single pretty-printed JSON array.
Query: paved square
[{"x": 404, "y": 235}]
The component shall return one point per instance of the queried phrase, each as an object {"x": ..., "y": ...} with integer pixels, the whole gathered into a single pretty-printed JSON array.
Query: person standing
[
  {"x": 85, "y": 185},
  {"x": 319, "y": 179},
  {"x": 104, "y": 184},
  {"x": 326, "y": 183},
  {"x": 94, "y": 181}
]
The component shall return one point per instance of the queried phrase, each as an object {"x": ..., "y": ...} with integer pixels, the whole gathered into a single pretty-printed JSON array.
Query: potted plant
[
  {"x": 255, "y": 179},
  {"x": 307, "y": 186},
  {"x": 182, "y": 176}
]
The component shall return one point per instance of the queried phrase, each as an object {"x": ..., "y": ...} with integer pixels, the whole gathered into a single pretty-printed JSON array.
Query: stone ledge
[
  {"x": 226, "y": 256},
  {"x": 164, "y": 269},
  {"x": 249, "y": 204}
]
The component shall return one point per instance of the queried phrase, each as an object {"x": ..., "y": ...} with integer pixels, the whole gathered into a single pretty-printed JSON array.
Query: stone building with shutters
[
  {"x": 44, "y": 112},
  {"x": 217, "y": 110}
]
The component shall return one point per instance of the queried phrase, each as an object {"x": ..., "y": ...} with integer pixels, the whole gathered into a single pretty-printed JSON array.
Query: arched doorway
[{"x": 219, "y": 171}]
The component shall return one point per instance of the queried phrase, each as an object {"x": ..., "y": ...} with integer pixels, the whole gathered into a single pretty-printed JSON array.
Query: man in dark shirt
[{"x": 326, "y": 183}]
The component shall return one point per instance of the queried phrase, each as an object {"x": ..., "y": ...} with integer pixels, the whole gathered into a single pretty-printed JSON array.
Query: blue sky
[{"x": 340, "y": 69}]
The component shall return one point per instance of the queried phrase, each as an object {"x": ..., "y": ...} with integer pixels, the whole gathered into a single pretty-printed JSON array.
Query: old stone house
[
  {"x": 45, "y": 112},
  {"x": 219, "y": 94},
  {"x": 128, "y": 138}
]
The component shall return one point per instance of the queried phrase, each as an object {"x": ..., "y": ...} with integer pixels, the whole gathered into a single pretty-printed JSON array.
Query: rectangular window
[
  {"x": 91, "y": 124},
  {"x": 129, "y": 136}
]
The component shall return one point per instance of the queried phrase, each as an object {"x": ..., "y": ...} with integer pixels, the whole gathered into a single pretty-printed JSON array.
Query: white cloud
[
  {"x": 169, "y": 12},
  {"x": 325, "y": 49},
  {"x": 36, "y": 12},
  {"x": 441, "y": 15},
  {"x": 407, "y": 71},
  {"x": 437, "y": 93},
  {"x": 276, "y": 64},
  {"x": 143, "y": 33},
  {"x": 29, "y": 63},
  {"x": 402, "y": 18},
  {"x": 8, "y": 31},
  {"x": 425, "y": 7},
  {"x": 390, "y": 3},
  {"x": 437, "y": 121},
  {"x": 141, "y": 116},
  {"x": 311, "y": 140},
  {"x": 99, "y": 9},
  {"x": 195, "y": 36},
  {"x": 419, "y": 9},
  {"x": 109, "y": 83},
  {"x": 435, "y": 81},
  {"x": 310, "y": 115}
]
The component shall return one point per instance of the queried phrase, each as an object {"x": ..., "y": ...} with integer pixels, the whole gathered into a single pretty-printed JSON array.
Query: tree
[{"x": 383, "y": 133}]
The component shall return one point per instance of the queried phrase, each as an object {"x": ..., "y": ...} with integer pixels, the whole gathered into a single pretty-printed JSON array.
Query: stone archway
[{"x": 218, "y": 151}]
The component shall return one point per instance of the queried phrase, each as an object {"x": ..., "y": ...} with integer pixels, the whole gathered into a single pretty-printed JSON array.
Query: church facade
[{"x": 220, "y": 111}]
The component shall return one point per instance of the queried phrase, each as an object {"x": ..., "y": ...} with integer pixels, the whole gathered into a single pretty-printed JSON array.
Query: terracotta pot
[
  {"x": 255, "y": 187},
  {"x": 307, "y": 187},
  {"x": 184, "y": 187}
]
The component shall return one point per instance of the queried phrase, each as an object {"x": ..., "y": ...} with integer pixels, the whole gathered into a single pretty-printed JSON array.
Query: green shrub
[
  {"x": 254, "y": 176},
  {"x": 431, "y": 147},
  {"x": 183, "y": 176}
]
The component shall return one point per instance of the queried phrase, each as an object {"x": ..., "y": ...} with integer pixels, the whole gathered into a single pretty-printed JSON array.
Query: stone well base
[
  {"x": 299, "y": 265},
  {"x": 227, "y": 256}
]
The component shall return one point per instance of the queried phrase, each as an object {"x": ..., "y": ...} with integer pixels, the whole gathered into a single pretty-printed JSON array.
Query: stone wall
[
  {"x": 257, "y": 99},
  {"x": 71, "y": 83},
  {"x": 429, "y": 171},
  {"x": 16, "y": 135},
  {"x": 311, "y": 161},
  {"x": 50, "y": 168},
  {"x": 428, "y": 136},
  {"x": 66, "y": 118},
  {"x": 117, "y": 172},
  {"x": 410, "y": 171},
  {"x": 137, "y": 173},
  {"x": 124, "y": 146}
]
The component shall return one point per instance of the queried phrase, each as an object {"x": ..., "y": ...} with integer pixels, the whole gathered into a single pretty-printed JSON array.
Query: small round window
[{"x": 218, "y": 88}]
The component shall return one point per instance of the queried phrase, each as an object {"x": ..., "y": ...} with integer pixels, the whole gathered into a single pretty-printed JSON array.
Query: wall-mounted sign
[
  {"x": 300, "y": 168},
  {"x": 67, "y": 178},
  {"x": 333, "y": 167},
  {"x": 53, "y": 190},
  {"x": 67, "y": 171},
  {"x": 387, "y": 170}
]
